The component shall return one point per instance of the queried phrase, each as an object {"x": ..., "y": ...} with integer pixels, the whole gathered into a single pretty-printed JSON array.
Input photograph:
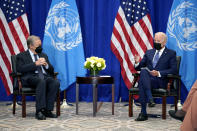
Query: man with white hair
[
  {"x": 154, "y": 67},
  {"x": 38, "y": 72}
]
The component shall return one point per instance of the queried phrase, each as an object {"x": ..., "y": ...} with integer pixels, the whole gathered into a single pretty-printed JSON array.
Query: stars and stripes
[
  {"x": 132, "y": 35},
  {"x": 14, "y": 30}
]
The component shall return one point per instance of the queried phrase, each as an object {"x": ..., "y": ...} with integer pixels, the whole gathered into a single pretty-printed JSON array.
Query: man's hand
[
  {"x": 137, "y": 59},
  {"x": 41, "y": 61},
  {"x": 154, "y": 73}
]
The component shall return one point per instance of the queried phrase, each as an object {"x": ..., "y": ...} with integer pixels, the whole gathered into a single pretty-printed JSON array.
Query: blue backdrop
[{"x": 97, "y": 19}]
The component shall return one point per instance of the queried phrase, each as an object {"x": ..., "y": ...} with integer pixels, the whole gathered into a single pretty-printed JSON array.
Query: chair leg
[
  {"x": 23, "y": 106},
  {"x": 58, "y": 104},
  {"x": 14, "y": 104},
  {"x": 130, "y": 105},
  {"x": 175, "y": 103},
  {"x": 164, "y": 107}
]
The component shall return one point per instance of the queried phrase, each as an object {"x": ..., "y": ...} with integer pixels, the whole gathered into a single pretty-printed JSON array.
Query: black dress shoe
[
  {"x": 142, "y": 117},
  {"x": 174, "y": 115},
  {"x": 49, "y": 114},
  {"x": 151, "y": 103},
  {"x": 40, "y": 116}
]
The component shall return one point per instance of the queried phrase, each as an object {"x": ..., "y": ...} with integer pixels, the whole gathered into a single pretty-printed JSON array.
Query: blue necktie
[
  {"x": 39, "y": 69},
  {"x": 156, "y": 59}
]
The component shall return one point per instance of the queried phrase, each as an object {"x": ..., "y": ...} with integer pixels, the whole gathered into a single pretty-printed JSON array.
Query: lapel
[
  {"x": 152, "y": 54},
  {"x": 28, "y": 56}
]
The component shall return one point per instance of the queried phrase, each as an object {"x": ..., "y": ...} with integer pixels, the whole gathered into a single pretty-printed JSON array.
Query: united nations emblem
[
  {"x": 182, "y": 26},
  {"x": 63, "y": 27}
]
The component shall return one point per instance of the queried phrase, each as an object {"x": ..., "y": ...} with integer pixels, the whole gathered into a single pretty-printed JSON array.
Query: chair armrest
[
  {"x": 136, "y": 77},
  {"x": 172, "y": 76},
  {"x": 55, "y": 73},
  {"x": 136, "y": 74},
  {"x": 13, "y": 74},
  {"x": 17, "y": 76}
]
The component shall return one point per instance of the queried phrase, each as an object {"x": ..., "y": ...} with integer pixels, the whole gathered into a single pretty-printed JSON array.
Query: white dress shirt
[
  {"x": 160, "y": 53},
  {"x": 32, "y": 56}
]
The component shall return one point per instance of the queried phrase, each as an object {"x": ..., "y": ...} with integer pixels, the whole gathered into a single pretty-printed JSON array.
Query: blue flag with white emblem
[
  {"x": 63, "y": 41},
  {"x": 182, "y": 37}
]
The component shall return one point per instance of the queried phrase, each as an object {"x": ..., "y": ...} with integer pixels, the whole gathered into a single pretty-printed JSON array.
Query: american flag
[
  {"x": 132, "y": 35},
  {"x": 14, "y": 30}
]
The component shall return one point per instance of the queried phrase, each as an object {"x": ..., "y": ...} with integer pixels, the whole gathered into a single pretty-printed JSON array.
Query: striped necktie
[
  {"x": 156, "y": 59},
  {"x": 39, "y": 69}
]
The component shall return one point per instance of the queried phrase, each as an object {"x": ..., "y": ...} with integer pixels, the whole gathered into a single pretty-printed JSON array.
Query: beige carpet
[{"x": 69, "y": 121}]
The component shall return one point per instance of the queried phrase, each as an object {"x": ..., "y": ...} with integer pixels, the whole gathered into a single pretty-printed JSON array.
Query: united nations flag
[
  {"x": 63, "y": 41},
  {"x": 182, "y": 37}
]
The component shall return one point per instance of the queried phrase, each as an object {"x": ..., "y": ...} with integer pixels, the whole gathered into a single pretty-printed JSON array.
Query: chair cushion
[
  {"x": 134, "y": 90},
  {"x": 157, "y": 92},
  {"x": 28, "y": 90}
]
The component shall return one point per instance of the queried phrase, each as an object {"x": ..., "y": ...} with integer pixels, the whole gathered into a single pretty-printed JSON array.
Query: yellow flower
[
  {"x": 98, "y": 64},
  {"x": 95, "y": 63}
]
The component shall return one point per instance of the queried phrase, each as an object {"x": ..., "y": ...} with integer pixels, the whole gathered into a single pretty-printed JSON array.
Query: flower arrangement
[{"x": 94, "y": 64}]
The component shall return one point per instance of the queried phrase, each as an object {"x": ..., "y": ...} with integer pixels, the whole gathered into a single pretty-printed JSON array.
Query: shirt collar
[
  {"x": 31, "y": 53},
  {"x": 161, "y": 51}
]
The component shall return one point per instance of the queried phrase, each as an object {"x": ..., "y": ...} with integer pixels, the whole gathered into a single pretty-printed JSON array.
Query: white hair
[
  {"x": 31, "y": 39},
  {"x": 163, "y": 36}
]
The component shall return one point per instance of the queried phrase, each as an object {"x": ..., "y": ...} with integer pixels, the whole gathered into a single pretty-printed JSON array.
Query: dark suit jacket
[
  {"x": 167, "y": 63},
  {"x": 27, "y": 67}
]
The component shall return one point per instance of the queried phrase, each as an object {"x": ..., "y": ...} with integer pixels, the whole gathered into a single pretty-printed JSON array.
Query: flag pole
[
  {"x": 11, "y": 105},
  {"x": 179, "y": 105},
  {"x": 64, "y": 104}
]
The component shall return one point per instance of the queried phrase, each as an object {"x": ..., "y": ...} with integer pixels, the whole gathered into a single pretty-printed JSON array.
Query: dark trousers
[
  {"x": 46, "y": 91},
  {"x": 146, "y": 82}
]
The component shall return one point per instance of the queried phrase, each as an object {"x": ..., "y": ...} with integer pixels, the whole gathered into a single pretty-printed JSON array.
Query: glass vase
[{"x": 94, "y": 73}]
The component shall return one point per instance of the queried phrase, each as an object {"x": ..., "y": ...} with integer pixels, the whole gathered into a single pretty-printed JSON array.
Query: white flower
[
  {"x": 104, "y": 67},
  {"x": 92, "y": 65},
  {"x": 88, "y": 59},
  {"x": 98, "y": 64},
  {"x": 92, "y": 61},
  {"x": 85, "y": 63}
]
